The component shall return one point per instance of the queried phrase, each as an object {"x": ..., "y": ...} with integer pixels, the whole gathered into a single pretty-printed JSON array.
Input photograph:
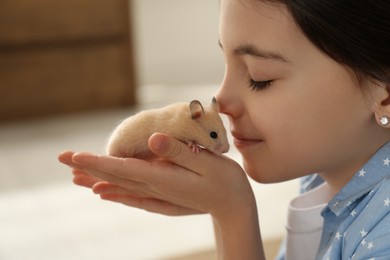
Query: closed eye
[{"x": 259, "y": 85}]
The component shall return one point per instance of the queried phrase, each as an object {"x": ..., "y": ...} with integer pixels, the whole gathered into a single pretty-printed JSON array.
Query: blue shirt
[{"x": 357, "y": 219}]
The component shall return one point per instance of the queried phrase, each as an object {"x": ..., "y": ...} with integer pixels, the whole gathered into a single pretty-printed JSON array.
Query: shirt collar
[{"x": 373, "y": 172}]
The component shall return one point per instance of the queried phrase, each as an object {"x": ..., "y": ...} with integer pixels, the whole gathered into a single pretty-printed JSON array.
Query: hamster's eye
[{"x": 214, "y": 135}]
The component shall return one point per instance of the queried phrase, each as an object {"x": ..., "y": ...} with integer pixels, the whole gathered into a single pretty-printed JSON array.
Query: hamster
[{"x": 188, "y": 122}]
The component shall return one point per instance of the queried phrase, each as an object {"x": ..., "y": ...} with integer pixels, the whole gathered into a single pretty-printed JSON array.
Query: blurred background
[{"x": 70, "y": 71}]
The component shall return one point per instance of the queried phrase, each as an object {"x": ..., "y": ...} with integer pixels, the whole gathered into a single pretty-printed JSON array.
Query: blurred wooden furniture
[{"x": 64, "y": 56}]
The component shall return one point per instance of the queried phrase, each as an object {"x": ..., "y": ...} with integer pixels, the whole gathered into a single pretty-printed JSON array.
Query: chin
[
  {"x": 258, "y": 175},
  {"x": 263, "y": 175}
]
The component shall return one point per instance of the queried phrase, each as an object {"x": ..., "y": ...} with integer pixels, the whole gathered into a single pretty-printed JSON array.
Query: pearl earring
[{"x": 384, "y": 121}]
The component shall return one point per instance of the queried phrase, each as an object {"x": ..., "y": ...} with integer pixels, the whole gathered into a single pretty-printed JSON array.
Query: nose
[{"x": 228, "y": 98}]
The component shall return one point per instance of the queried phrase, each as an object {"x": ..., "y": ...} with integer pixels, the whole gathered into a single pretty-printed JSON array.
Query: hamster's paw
[{"x": 194, "y": 147}]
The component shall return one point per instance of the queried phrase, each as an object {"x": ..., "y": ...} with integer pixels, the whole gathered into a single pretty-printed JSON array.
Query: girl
[{"x": 306, "y": 90}]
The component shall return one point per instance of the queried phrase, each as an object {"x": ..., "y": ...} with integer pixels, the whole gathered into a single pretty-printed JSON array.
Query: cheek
[
  {"x": 291, "y": 131},
  {"x": 306, "y": 137},
  {"x": 283, "y": 124},
  {"x": 284, "y": 153}
]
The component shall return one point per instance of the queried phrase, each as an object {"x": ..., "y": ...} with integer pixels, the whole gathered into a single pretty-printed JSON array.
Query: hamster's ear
[
  {"x": 382, "y": 105},
  {"x": 196, "y": 109},
  {"x": 214, "y": 104}
]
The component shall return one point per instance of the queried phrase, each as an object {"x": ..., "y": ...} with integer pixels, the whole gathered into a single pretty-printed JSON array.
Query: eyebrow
[{"x": 250, "y": 49}]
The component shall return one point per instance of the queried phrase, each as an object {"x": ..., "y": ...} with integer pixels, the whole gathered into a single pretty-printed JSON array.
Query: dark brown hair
[{"x": 352, "y": 32}]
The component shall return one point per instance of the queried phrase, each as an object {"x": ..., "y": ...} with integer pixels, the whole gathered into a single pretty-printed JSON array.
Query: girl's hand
[{"x": 180, "y": 182}]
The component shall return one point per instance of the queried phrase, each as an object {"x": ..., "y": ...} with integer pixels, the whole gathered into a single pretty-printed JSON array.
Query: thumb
[
  {"x": 177, "y": 152},
  {"x": 166, "y": 146}
]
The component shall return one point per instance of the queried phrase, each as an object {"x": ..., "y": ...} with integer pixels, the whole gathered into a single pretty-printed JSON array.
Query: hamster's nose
[
  {"x": 225, "y": 148},
  {"x": 222, "y": 148}
]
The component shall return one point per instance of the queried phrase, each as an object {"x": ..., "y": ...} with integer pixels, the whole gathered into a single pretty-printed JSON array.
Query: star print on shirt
[
  {"x": 357, "y": 219},
  {"x": 370, "y": 245},
  {"x": 386, "y": 161}
]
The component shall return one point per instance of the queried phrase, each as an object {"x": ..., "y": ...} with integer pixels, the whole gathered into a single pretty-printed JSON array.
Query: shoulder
[{"x": 368, "y": 235}]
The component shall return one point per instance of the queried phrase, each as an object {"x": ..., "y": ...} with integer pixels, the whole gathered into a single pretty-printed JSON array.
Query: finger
[
  {"x": 66, "y": 157},
  {"x": 179, "y": 153},
  {"x": 150, "y": 204},
  {"x": 156, "y": 179},
  {"x": 128, "y": 170},
  {"x": 102, "y": 166},
  {"x": 109, "y": 188},
  {"x": 134, "y": 175},
  {"x": 90, "y": 170},
  {"x": 82, "y": 179},
  {"x": 116, "y": 193}
]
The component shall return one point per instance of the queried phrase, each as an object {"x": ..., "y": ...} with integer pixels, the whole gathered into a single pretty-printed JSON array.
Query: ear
[
  {"x": 381, "y": 99},
  {"x": 196, "y": 109},
  {"x": 214, "y": 104}
]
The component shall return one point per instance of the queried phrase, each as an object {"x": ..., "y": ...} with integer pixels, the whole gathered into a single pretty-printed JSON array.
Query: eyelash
[{"x": 259, "y": 85}]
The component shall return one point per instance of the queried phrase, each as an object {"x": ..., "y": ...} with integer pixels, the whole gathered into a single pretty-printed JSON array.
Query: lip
[{"x": 241, "y": 141}]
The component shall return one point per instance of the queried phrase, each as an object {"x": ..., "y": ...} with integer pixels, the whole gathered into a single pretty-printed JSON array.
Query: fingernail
[
  {"x": 158, "y": 142},
  {"x": 82, "y": 158},
  {"x": 62, "y": 160}
]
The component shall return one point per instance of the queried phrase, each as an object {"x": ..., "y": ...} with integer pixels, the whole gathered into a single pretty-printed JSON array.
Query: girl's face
[{"x": 293, "y": 110}]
